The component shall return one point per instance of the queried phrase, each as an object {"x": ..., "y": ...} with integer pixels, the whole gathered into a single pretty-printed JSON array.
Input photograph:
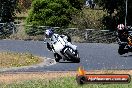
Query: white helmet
[
  {"x": 120, "y": 27},
  {"x": 49, "y": 33}
]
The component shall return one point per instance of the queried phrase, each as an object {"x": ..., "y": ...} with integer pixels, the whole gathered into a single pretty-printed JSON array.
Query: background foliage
[
  {"x": 50, "y": 13},
  {"x": 116, "y": 12},
  {"x": 55, "y": 13},
  {"x": 24, "y": 5},
  {"x": 65, "y": 13},
  {"x": 7, "y": 8}
]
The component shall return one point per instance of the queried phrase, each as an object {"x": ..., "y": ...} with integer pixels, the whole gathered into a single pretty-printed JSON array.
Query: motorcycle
[
  {"x": 63, "y": 49},
  {"x": 125, "y": 47}
]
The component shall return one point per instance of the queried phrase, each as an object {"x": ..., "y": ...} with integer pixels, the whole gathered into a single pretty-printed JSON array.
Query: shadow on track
[
  {"x": 130, "y": 55},
  {"x": 66, "y": 62}
]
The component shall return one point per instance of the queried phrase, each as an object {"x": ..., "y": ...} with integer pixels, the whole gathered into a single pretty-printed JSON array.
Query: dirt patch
[
  {"x": 17, "y": 77},
  {"x": 22, "y": 76}
]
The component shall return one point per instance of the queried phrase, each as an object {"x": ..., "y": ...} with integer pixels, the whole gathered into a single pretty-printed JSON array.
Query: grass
[
  {"x": 64, "y": 82},
  {"x": 9, "y": 59}
]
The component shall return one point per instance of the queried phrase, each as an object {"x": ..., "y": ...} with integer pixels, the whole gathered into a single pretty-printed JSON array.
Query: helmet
[
  {"x": 120, "y": 27},
  {"x": 49, "y": 32}
]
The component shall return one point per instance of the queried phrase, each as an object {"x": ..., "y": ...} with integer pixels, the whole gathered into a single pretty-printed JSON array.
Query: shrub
[{"x": 50, "y": 13}]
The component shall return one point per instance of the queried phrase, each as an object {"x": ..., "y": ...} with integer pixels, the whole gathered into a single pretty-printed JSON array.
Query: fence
[{"x": 77, "y": 35}]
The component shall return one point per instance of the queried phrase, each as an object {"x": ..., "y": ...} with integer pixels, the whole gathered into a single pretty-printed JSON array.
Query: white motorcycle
[{"x": 64, "y": 50}]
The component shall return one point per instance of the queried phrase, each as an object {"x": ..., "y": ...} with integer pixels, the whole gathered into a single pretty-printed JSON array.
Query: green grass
[
  {"x": 10, "y": 59},
  {"x": 61, "y": 83}
]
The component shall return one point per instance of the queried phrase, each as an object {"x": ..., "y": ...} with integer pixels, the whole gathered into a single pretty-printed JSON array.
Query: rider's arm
[{"x": 66, "y": 38}]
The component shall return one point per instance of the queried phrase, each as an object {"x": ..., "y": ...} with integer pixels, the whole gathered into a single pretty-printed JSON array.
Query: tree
[
  {"x": 129, "y": 15},
  {"x": 116, "y": 12},
  {"x": 7, "y": 8},
  {"x": 78, "y": 4},
  {"x": 54, "y": 13},
  {"x": 24, "y": 5},
  {"x": 50, "y": 13}
]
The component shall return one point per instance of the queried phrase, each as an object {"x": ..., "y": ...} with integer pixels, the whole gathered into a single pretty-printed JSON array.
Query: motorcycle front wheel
[
  {"x": 74, "y": 58},
  {"x": 121, "y": 50}
]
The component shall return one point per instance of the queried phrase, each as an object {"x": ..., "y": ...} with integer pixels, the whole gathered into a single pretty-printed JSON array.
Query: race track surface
[{"x": 94, "y": 56}]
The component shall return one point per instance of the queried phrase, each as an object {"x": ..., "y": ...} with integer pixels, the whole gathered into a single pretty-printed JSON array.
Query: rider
[
  {"x": 48, "y": 34},
  {"x": 52, "y": 37}
]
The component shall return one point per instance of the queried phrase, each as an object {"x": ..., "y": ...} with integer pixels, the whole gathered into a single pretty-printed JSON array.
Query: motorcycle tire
[
  {"x": 121, "y": 50},
  {"x": 73, "y": 57},
  {"x": 57, "y": 57}
]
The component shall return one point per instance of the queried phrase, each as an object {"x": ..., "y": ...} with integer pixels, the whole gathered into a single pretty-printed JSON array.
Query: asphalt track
[{"x": 94, "y": 56}]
